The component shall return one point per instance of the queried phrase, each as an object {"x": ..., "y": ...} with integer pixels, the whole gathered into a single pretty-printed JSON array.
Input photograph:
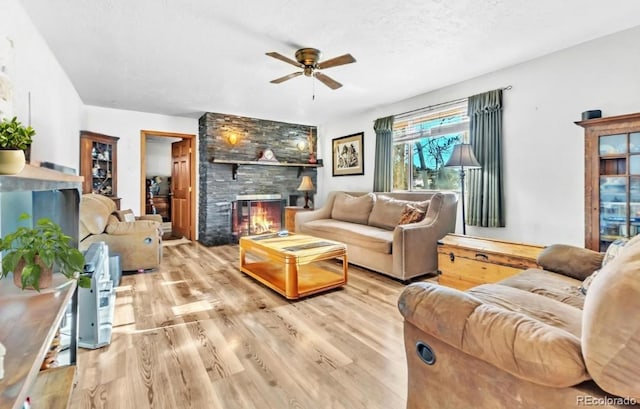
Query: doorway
[{"x": 162, "y": 175}]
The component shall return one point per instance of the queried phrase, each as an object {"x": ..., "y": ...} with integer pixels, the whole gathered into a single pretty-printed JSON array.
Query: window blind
[{"x": 437, "y": 120}]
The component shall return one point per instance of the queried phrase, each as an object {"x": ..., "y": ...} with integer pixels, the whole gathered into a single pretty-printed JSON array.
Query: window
[{"x": 422, "y": 143}]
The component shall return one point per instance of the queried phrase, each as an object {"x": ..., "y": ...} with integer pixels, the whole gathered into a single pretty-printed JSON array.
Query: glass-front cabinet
[
  {"x": 98, "y": 164},
  {"x": 612, "y": 179}
]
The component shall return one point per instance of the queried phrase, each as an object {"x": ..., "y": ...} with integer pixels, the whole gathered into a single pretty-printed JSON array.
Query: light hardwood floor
[{"x": 198, "y": 333}]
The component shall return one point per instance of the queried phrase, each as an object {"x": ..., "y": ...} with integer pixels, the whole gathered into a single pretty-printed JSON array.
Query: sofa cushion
[
  {"x": 551, "y": 285},
  {"x": 122, "y": 215},
  {"x": 541, "y": 308},
  {"x": 362, "y": 235},
  {"x": 354, "y": 209},
  {"x": 387, "y": 211}
]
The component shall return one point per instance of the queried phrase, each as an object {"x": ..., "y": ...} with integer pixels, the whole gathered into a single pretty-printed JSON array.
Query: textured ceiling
[{"x": 186, "y": 57}]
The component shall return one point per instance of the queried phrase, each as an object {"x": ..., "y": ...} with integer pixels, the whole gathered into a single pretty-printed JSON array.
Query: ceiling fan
[{"x": 308, "y": 60}]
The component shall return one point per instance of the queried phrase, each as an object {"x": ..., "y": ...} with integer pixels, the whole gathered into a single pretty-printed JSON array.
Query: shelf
[
  {"x": 28, "y": 324},
  {"x": 39, "y": 179},
  {"x": 53, "y": 387},
  {"x": 236, "y": 163}
]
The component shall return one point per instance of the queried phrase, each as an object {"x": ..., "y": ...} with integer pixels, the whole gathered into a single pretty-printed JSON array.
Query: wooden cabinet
[
  {"x": 290, "y": 217},
  {"x": 612, "y": 179},
  {"x": 99, "y": 164},
  {"x": 467, "y": 261},
  {"x": 162, "y": 205}
]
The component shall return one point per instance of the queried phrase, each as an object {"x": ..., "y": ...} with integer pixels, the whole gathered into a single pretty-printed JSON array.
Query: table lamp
[
  {"x": 306, "y": 186},
  {"x": 462, "y": 157}
]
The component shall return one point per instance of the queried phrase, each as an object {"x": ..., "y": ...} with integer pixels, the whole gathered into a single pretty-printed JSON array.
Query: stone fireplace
[{"x": 230, "y": 147}]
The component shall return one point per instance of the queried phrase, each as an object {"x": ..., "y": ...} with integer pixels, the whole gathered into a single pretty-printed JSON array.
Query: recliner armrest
[
  {"x": 140, "y": 226},
  {"x": 151, "y": 217},
  {"x": 516, "y": 343}
]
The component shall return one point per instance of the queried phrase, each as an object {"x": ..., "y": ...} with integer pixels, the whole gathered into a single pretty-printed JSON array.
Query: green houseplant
[
  {"x": 14, "y": 139},
  {"x": 32, "y": 252}
]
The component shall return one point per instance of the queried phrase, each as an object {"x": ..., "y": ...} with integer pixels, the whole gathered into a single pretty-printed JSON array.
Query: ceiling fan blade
[
  {"x": 328, "y": 81},
  {"x": 286, "y": 77},
  {"x": 281, "y": 57},
  {"x": 343, "y": 59}
]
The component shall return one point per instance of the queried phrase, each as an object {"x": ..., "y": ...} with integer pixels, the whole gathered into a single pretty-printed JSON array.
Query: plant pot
[
  {"x": 12, "y": 161},
  {"x": 46, "y": 275}
]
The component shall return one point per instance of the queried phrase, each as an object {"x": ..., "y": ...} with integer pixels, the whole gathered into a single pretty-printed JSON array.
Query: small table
[
  {"x": 467, "y": 261},
  {"x": 290, "y": 216},
  {"x": 289, "y": 265}
]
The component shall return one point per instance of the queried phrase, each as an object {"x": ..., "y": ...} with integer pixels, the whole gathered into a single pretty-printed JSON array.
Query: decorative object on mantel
[
  {"x": 461, "y": 157},
  {"x": 30, "y": 254},
  {"x": 14, "y": 139},
  {"x": 267, "y": 155},
  {"x": 312, "y": 146},
  {"x": 306, "y": 186}
]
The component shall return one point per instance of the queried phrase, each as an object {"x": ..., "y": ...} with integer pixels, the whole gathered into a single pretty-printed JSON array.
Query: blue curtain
[
  {"x": 486, "y": 196},
  {"x": 383, "y": 170}
]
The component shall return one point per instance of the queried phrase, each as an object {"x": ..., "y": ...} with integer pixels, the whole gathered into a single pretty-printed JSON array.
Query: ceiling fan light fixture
[{"x": 308, "y": 60}]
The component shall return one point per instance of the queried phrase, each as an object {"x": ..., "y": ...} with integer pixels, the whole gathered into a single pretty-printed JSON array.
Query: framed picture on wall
[{"x": 348, "y": 155}]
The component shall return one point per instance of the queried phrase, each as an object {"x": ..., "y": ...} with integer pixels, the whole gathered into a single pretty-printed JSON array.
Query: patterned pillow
[
  {"x": 411, "y": 214},
  {"x": 587, "y": 282},
  {"x": 614, "y": 249}
]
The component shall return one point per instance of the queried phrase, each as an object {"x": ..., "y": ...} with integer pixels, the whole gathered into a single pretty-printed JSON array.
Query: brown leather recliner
[
  {"x": 533, "y": 340},
  {"x": 139, "y": 242}
]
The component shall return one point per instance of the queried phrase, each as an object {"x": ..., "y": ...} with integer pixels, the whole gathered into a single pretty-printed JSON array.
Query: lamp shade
[
  {"x": 462, "y": 157},
  {"x": 306, "y": 185}
]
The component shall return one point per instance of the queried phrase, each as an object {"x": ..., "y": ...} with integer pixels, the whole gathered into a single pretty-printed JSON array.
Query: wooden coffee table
[{"x": 289, "y": 265}]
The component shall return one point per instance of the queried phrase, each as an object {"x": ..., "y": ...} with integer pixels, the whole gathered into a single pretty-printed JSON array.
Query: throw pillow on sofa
[
  {"x": 614, "y": 250},
  {"x": 354, "y": 209},
  {"x": 411, "y": 214},
  {"x": 387, "y": 211}
]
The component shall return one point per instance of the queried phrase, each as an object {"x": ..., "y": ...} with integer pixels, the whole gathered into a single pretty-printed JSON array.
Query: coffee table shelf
[{"x": 293, "y": 273}]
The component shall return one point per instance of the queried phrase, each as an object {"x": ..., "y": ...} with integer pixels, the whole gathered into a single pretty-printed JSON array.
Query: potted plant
[
  {"x": 14, "y": 139},
  {"x": 31, "y": 253}
]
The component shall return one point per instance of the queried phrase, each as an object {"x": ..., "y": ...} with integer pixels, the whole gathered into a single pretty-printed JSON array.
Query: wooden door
[{"x": 181, "y": 188}]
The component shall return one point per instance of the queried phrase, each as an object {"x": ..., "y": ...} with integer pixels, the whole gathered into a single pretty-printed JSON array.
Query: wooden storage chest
[{"x": 467, "y": 261}]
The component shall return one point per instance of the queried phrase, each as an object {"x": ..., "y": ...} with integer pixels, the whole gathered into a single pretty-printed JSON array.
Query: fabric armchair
[{"x": 138, "y": 242}]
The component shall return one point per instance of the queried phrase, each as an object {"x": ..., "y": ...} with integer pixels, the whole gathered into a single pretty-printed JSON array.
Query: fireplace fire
[{"x": 256, "y": 214}]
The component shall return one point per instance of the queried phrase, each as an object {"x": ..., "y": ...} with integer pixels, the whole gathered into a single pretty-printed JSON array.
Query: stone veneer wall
[{"x": 217, "y": 188}]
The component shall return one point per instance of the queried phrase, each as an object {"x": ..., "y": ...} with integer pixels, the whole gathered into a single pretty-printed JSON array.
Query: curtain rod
[{"x": 456, "y": 101}]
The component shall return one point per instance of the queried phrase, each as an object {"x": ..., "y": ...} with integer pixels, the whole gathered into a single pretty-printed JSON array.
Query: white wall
[
  {"x": 543, "y": 148},
  {"x": 56, "y": 108},
  {"x": 127, "y": 126},
  {"x": 158, "y": 160}
]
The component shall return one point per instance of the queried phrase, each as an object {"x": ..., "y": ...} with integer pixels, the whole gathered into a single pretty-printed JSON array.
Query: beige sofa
[
  {"x": 534, "y": 340},
  {"x": 139, "y": 242},
  {"x": 368, "y": 224}
]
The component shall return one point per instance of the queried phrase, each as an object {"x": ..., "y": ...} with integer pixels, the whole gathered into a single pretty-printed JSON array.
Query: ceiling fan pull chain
[{"x": 313, "y": 88}]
